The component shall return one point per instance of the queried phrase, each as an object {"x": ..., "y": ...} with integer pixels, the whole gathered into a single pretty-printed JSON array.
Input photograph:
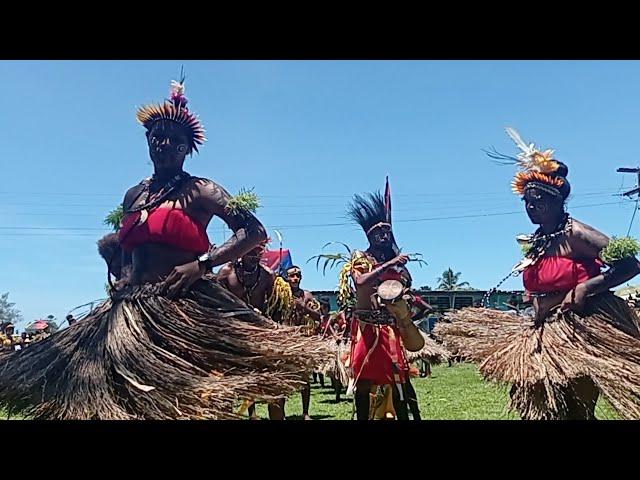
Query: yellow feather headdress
[{"x": 535, "y": 165}]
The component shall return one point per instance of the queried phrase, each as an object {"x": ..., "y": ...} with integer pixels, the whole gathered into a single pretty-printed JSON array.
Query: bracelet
[{"x": 609, "y": 273}]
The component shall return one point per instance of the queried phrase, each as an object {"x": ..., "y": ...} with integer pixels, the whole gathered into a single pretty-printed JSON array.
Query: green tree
[
  {"x": 8, "y": 311},
  {"x": 450, "y": 281}
]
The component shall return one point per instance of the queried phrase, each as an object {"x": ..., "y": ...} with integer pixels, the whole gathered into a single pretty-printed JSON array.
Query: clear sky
[{"x": 307, "y": 135}]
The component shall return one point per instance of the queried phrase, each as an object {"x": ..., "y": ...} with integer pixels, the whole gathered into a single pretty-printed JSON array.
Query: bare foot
[
  {"x": 307, "y": 417},
  {"x": 254, "y": 418}
]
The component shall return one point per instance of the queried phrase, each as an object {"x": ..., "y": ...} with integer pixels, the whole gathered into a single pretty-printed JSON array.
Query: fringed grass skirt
[
  {"x": 144, "y": 356},
  {"x": 432, "y": 352},
  {"x": 335, "y": 367},
  {"x": 557, "y": 368}
]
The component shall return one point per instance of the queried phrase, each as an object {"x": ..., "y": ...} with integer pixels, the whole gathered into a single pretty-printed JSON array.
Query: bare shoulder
[
  {"x": 268, "y": 271},
  {"x": 587, "y": 233},
  {"x": 131, "y": 194},
  {"x": 207, "y": 187},
  {"x": 587, "y": 239},
  {"x": 225, "y": 270},
  {"x": 207, "y": 195}
]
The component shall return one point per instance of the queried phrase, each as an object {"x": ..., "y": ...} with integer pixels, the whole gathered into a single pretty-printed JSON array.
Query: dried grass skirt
[
  {"x": 558, "y": 368},
  {"x": 144, "y": 356}
]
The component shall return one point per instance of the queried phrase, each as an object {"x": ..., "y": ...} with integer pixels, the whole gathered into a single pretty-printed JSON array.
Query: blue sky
[{"x": 307, "y": 135}]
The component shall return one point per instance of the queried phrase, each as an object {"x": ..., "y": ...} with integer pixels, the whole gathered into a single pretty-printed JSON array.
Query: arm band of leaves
[
  {"x": 619, "y": 249},
  {"x": 244, "y": 202}
]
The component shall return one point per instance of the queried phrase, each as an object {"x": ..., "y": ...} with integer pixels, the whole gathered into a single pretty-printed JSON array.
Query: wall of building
[{"x": 447, "y": 300}]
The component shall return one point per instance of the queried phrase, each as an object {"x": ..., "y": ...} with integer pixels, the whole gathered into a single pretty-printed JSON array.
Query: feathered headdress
[
  {"x": 174, "y": 109},
  {"x": 537, "y": 168},
  {"x": 368, "y": 211},
  {"x": 372, "y": 210}
]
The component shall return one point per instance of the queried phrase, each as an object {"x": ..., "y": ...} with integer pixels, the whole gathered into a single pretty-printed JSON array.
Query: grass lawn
[{"x": 450, "y": 393}]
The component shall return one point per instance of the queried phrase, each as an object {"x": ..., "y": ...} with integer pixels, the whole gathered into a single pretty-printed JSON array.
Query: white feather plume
[{"x": 527, "y": 150}]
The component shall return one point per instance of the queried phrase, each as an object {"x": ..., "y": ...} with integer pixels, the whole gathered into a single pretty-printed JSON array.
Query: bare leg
[
  {"x": 399, "y": 405},
  {"x": 581, "y": 399},
  {"x": 306, "y": 400},
  {"x": 412, "y": 400},
  {"x": 362, "y": 399},
  {"x": 423, "y": 369},
  {"x": 276, "y": 410},
  {"x": 252, "y": 412}
]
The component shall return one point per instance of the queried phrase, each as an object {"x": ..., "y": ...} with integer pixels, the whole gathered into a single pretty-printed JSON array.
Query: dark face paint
[
  {"x": 541, "y": 207},
  {"x": 380, "y": 237},
  {"x": 168, "y": 145}
]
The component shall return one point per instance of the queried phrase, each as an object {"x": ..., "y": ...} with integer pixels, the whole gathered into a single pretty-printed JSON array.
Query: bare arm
[
  {"x": 422, "y": 307},
  {"x": 411, "y": 337},
  {"x": 589, "y": 242},
  {"x": 365, "y": 278},
  {"x": 302, "y": 307},
  {"x": 127, "y": 261}
]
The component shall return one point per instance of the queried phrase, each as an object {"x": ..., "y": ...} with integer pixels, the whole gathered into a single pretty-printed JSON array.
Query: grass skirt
[
  {"x": 144, "y": 356},
  {"x": 557, "y": 368}
]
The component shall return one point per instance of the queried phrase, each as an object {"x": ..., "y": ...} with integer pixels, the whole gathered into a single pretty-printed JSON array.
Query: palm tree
[{"x": 449, "y": 281}]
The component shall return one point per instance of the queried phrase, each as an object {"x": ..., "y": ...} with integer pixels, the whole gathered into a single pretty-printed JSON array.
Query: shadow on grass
[
  {"x": 333, "y": 401},
  {"x": 313, "y": 417}
]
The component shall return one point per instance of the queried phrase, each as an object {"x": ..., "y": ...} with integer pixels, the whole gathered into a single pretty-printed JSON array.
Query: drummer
[{"x": 381, "y": 324}]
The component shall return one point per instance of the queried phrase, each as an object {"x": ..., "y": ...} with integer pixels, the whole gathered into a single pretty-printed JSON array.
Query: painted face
[
  {"x": 294, "y": 277},
  {"x": 168, "y": 145},
  {"x": 380, "y": 237},
  {"x": 541, "y": 207},
  {"x": 252, "y": 258}
]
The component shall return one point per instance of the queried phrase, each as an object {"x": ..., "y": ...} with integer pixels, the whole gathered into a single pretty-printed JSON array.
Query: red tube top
[
  {"x": 555, "y": 273},
  {"x": 170, "y": 226}
]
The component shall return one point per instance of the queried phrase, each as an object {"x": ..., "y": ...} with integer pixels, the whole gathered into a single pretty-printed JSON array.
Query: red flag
[{"x": 387, "y": 200}]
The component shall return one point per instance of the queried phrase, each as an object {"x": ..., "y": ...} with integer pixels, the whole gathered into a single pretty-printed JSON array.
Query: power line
[
  {"x": 325, "y": 207},
  {"x": 313, "y": 225},
  {"x": 292, "y": 195},
  {"x": 633, "y": 217}
]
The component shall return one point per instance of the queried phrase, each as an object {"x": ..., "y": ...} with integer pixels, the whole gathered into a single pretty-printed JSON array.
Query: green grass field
[{"x": 450, "y": 393}]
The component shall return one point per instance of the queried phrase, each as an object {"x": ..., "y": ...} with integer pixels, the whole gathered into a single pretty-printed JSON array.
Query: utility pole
[
  {"x": 636, "y": 190},
  {"x": 633, "y": 191}
]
